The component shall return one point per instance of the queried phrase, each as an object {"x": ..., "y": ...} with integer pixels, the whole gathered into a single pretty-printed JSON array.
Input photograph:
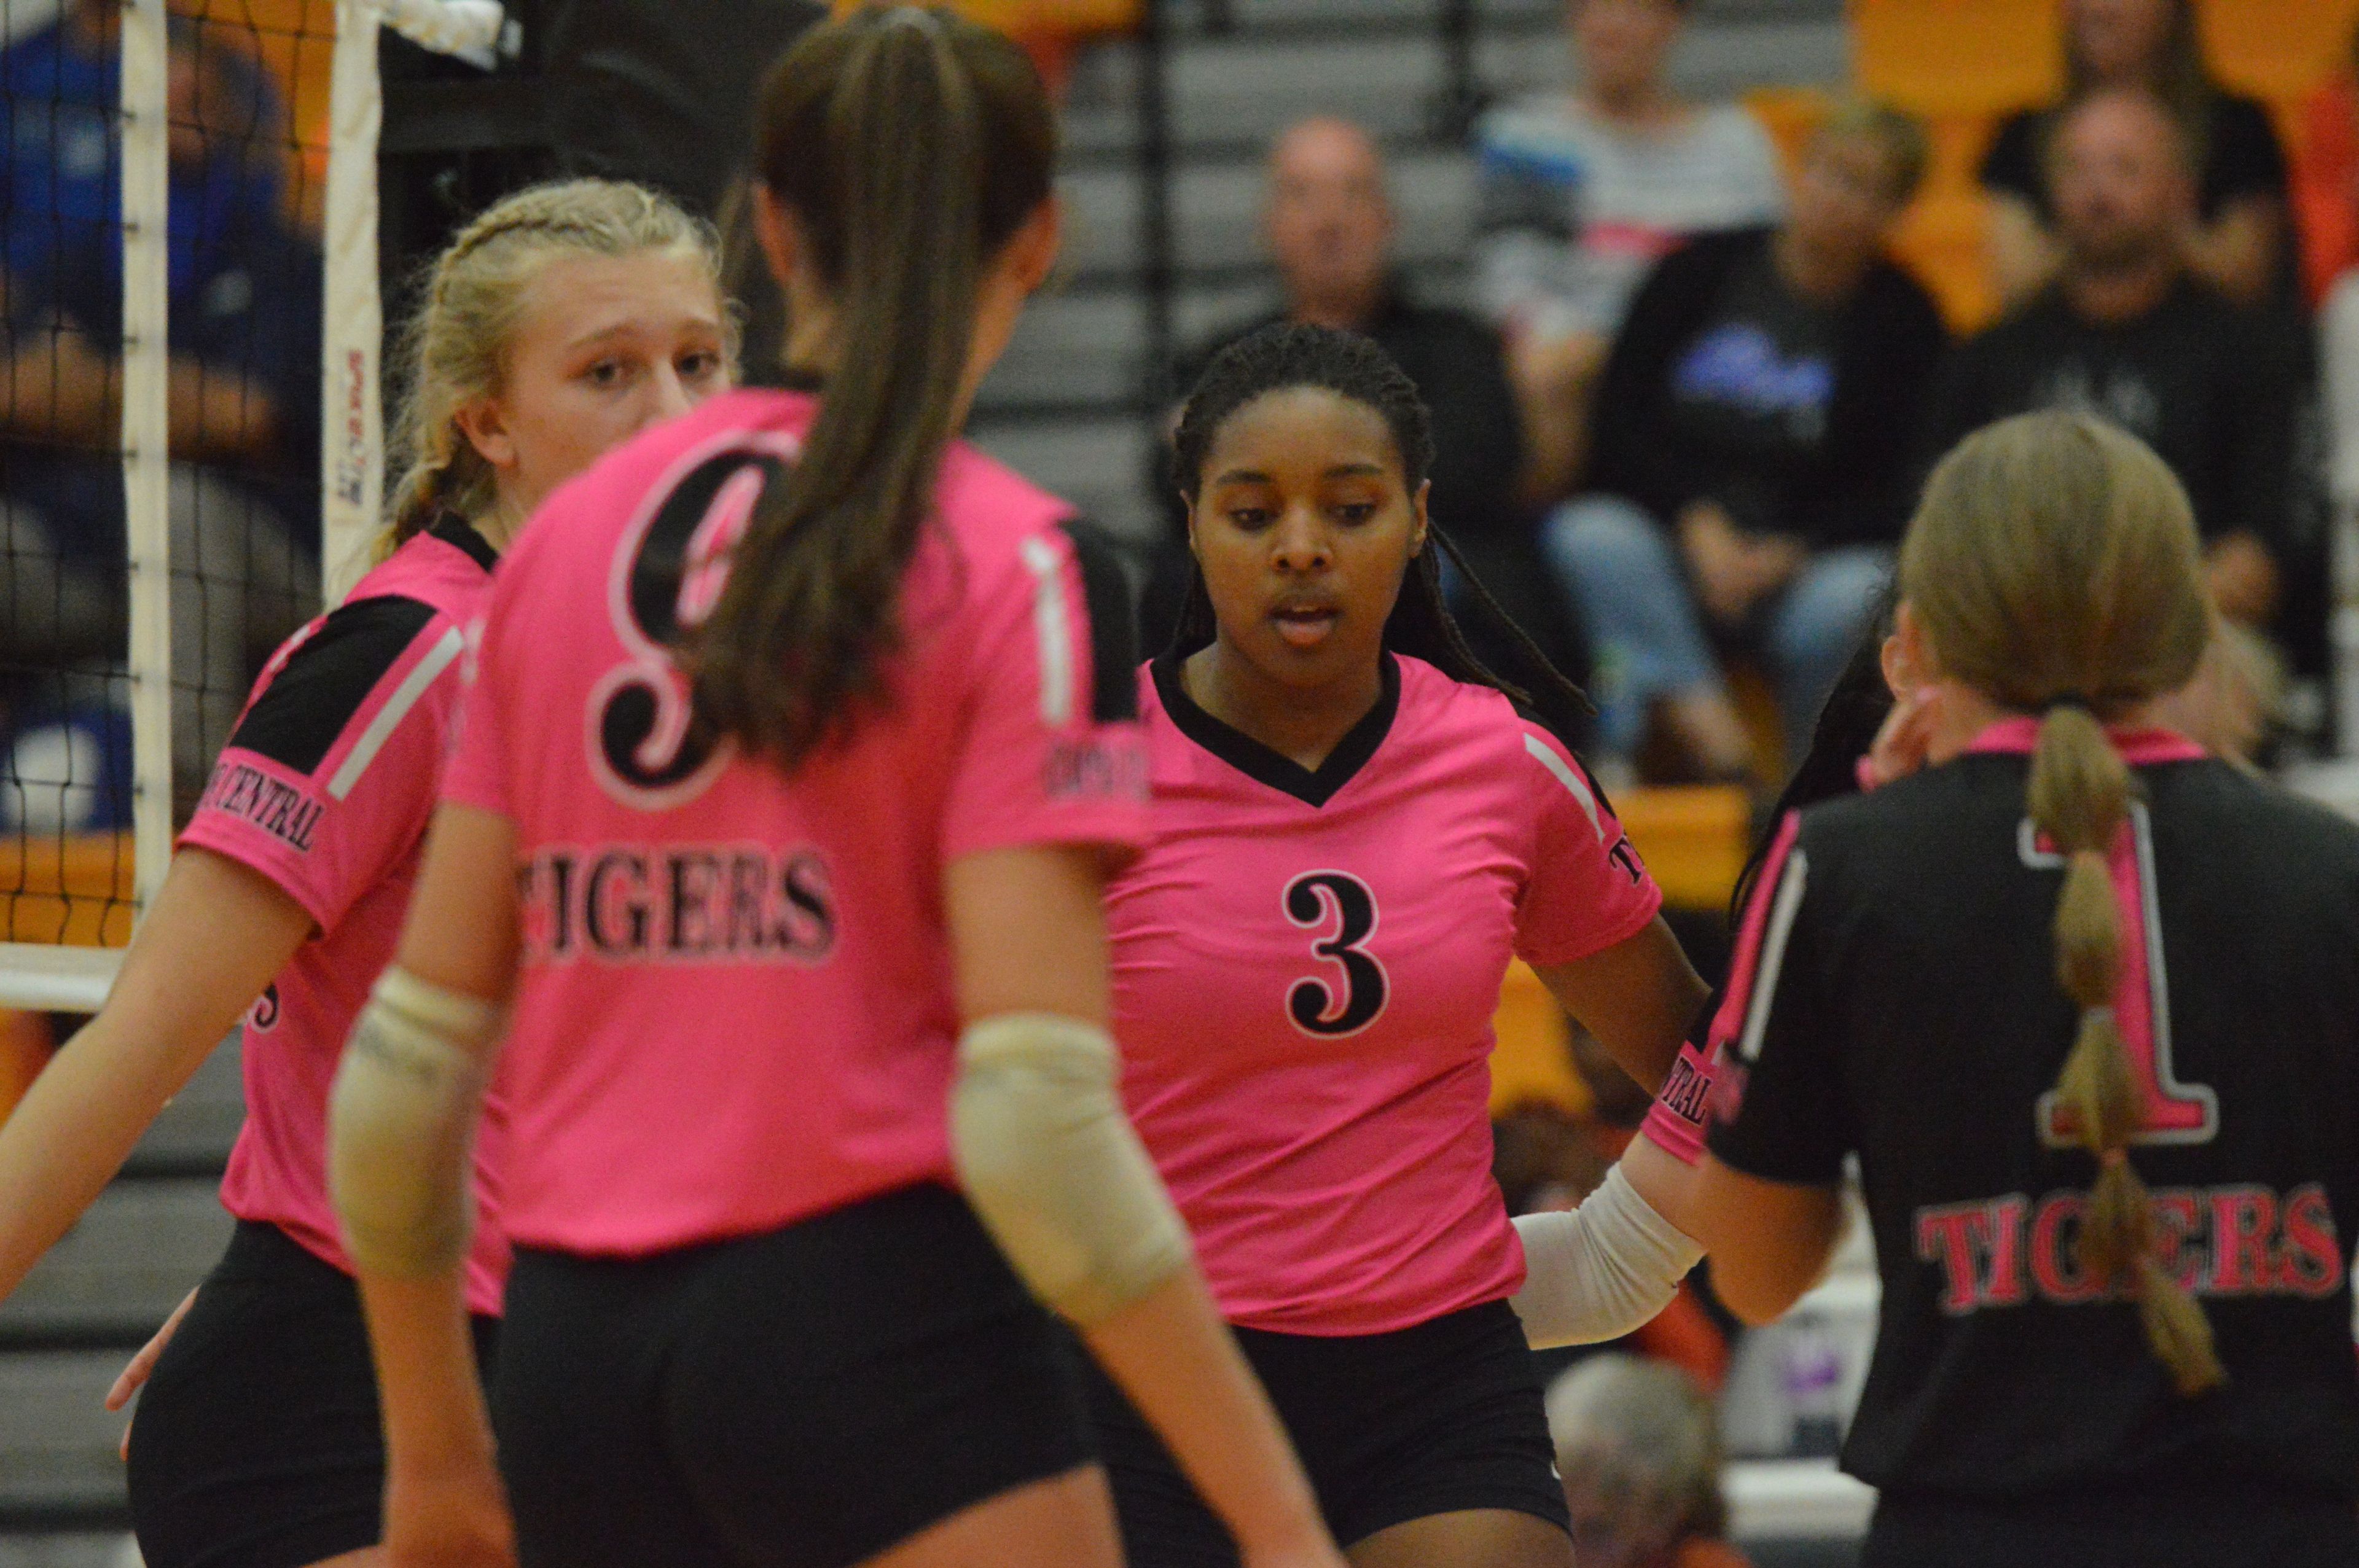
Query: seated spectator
[
  {"x": 244, "y": 377},
  {"x": 1329, "y": 226},
  {"x": 2129, "y": 330},
  {"x": 1581, "y": 193},
  {"x": 2234, "y": 238},
  {"x": 1639, "y": 1449},
  {"x": 2326, "y": 181},
  {"x": 1752, "y": 455}
]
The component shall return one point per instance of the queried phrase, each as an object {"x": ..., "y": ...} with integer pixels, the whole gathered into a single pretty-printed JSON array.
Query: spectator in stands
[
  {"x": 1752, "y": 452},
  {"x": 1328, "y": 225},
  {"x": 2326, "y": 180},
  {"x": 2234, "y": 237},
  {"x": 1582, "y": 192},
  {"x": 244, "y": 376},
  {"x": 2130, "y": 330},
  {"x": 1638, "y": 1448}
]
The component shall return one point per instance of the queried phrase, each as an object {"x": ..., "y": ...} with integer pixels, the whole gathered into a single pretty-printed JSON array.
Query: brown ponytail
[
  {"x": 910, "y": 146},
  {"x": 2053, "y": 564}
]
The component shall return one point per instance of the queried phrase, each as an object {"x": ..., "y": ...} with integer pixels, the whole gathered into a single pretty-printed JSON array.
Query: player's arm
[
  {"x": 1770, "y": 1241},
  {"x": 218, "y": 932},
  {"x": 402, "y": 1121},
  {"x": 1056, "y": 1173},
  {"x": 1637, "y": 997}
]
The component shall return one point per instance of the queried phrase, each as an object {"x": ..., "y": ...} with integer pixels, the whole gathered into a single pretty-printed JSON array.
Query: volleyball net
[{"x": 191, "y": 447}]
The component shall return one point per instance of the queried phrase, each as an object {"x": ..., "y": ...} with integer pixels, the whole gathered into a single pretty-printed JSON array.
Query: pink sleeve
[
  {"x": 327, "y": 783},
  {"x": 477, "y": 773},
  {"x": 1588, "y": 890},
  {"x": 1050, "y": 751},
  {"x": 1680, "y": 1113}
]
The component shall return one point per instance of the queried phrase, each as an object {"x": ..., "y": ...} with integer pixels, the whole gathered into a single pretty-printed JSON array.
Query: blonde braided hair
[
  {"x": 2054, "y": 565},
  {"x": 454, "y": 347}
]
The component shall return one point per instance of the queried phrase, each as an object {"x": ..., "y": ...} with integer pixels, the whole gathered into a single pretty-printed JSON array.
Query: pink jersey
[
  {"x": 1306, "y": 966},
  {"x": 326, "y": 788},
  {"x": 735, "y": 1007}
]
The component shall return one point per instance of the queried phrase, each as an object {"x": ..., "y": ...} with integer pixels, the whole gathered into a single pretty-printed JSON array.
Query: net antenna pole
[
  {"x": 351, "y": 436},
  {"x": 146, "y": 452}
]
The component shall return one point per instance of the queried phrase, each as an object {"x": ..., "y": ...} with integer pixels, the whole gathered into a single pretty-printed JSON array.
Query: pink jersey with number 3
[
  {"x": 325, "y": 788},
  {"x": 1306, "y": 966},
  {"x": 735, "y": 1009}
]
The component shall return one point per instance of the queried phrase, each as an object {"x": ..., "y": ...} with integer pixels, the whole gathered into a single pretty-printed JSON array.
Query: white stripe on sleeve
[
  {"x": 396, "y": 707},
  {"x": 1570, "y": 777},
  {"x": 1773, "y": 953},
  {"x": 1054, "y": 628}
]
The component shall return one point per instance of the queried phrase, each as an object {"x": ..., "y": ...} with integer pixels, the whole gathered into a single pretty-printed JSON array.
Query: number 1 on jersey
[
  {"x": 2176, "y": 1112},
  {"x": 1318, "y": 899}
]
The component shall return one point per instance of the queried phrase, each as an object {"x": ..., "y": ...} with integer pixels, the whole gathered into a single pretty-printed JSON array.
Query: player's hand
[
  {"x": 136, "y": 1374},
  {"x": 1902, "y": 743},
  {"x": 455, "y": 1517},
  {"x": 2243, "y": 577}
]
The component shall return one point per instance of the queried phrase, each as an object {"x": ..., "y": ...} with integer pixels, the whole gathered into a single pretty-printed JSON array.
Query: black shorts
[
  {"x": 1434, "y": 1418},
  {"x": 255, "y": 1443},
  {"x": 2207, "y": 1528},
  {"x": 801, "y": 1399}
]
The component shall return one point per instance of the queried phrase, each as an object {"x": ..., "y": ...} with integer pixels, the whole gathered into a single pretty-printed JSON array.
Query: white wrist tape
[
  {"x": 401, "y": 1126},
  {"x": 1054, "y": 1170},
  {"x": 1600, "y": 1271}
]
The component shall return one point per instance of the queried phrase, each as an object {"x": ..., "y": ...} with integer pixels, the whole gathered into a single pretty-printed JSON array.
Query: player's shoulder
[
  {"x": 447, "y": 565},
  {"x": 1466, "y": 714},
  {"x": 1491, "y": 733},
  {"x": 323, "y": 679},
  {"x": 2255, "y": 816},
  {"x": 995, "y": 514}
]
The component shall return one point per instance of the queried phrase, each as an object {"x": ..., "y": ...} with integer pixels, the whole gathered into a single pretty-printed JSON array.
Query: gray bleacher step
[
  {"x": 1216, "y": 214},
  {"x": 58, "y": 1444},
  {"x": 76, "y": 1549},
  {"x": 1230, "y": 94},
  {"x": 194, "y": 1133},
  {"x": 1098, "y": 464},
  {"x": 1720, "y": 59},
  {"x": 120, "y": 1272}
]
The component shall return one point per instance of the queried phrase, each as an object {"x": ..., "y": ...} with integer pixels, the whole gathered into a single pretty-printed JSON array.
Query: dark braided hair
[{"x": 1288, "y": 355}]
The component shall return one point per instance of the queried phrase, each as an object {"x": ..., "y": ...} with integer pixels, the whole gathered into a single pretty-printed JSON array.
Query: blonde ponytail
[
  {"x": 2078, "y": 798},
  {"x": 2054, "y": 565}
]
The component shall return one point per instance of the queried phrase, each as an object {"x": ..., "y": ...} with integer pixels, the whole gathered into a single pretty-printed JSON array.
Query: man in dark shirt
[
  {"x": 1330, "y": 227},
  {"x": 1751, "y": 455},
  {"x": 2126, "y": 332}
]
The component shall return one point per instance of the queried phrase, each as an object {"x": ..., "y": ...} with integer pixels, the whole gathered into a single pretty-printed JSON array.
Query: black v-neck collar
[
  {"x": 460, "y": 535},
  {"x": 1258, "y": 762}
]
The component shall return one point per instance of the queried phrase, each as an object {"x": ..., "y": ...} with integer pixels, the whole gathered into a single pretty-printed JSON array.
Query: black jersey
[{"x": 1896, "y": 997}]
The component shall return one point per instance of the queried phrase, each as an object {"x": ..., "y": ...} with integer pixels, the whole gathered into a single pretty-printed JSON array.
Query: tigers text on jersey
[
  {"x": 1306, "y": 966},
  {"x": 734, "y": 1008},
  {"x": 1895, "y": 994},
  {"x": 326, "y": 788}
]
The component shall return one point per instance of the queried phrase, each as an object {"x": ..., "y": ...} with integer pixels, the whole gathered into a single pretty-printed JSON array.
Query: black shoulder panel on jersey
[
  {"x": 315, "y": 696},
  {"x": 1114, "y": 622}
]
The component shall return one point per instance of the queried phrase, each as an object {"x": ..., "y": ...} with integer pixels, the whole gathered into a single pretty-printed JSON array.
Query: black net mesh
[{"x": 248, "y": 87}]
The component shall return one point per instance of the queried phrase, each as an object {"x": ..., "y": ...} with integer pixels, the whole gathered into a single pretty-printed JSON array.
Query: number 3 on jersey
[{"x": 1340, "y": 905}]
